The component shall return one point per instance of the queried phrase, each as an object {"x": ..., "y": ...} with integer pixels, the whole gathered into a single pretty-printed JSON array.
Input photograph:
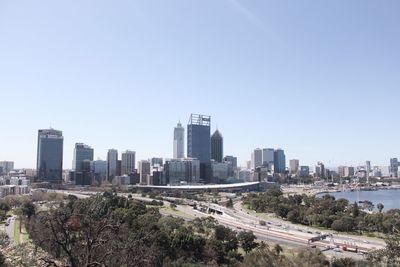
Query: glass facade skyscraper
[
  {"x": 198, "y": 138},
  {"x": 50, "y": 155},
  {"x": 81, "y": 152},
  {"x": 217, "y": 146},
  {"x": 199, "y": 144},
  {"x": 280, "y": 161},
  {"x": 112, "y": 164}
]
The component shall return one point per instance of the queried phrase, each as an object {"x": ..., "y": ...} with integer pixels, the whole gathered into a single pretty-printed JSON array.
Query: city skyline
[
  {"x": 243, "y": 164},
  {"x": 270, "y": 75}
]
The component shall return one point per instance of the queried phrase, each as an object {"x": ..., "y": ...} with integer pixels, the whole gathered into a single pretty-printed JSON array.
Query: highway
[{"x": 276, "y": 230}]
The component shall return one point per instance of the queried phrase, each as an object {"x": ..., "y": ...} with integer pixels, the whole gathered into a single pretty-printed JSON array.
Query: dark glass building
[
  {"x": 279, "y": 161},
  {"x": 199, "y": 143},
  {"x": 50, "y": 156},
  {"x": 198, "y": 138},
  {"x": 81, "y": 152},
  {"x": 217, "y": 146}
]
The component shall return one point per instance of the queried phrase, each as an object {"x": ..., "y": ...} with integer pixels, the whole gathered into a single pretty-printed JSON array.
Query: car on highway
[{"x": 337, "y": 250}]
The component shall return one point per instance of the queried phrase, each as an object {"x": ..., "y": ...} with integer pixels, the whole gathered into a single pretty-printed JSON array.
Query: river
[{"x": 389, "y": 198}]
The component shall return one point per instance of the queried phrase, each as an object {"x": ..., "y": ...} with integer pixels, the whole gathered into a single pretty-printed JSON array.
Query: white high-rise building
[
  {"x": 179, "y": 141},
  {"x": 112, "y": 164},
  {"x": 368, "y": 170},
  {"x": 128, "y": 162},
  {"x": 256, "y": 158}
]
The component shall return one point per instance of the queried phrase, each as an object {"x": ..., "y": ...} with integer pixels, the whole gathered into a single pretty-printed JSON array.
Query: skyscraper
[
  {"x": 81, "y": 152},
  {"x": 156, "y": 162},
  {"x": 198, "y": 138},
  {"x": 279, "y": 161},
  {"x": 268, "y": 157},
  {"x": 199, "y": 143},
  {"x": 217, "y": 146},
  {"x": 128, "y": 162},
  {"x": 112, "y": 164},
  {"x": 394, "y": 167},
  {"x": 368, "y": 169},
  {"x": 256, "y": 158},
  {"x": 144, "y": 170},
  {"x": 182, "y": 170},
  {"x": 6, "y": 166},
  {"x": 50, "y": 155},
  {"x": 231, "y": 160},
  {"x": 294, "y": 166},
  {"x": 99, "y": 169},
  {"x": 179, "y": 141}
]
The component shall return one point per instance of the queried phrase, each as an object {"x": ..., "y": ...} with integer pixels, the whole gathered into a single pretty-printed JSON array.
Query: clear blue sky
[{"x": 319, "y": 79}]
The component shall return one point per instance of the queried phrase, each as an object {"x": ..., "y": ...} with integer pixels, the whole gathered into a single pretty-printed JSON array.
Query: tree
[
  {"x": 229, "y": 204},
  {"x": 4, "y": 239},
  {"x": 2, "y": 259},
  {"x": 310, "y": 258},
  {"x": 278, "y": 249},
  {"x": 380, "y": 207},
  {"x": 390, "y": 255},
  {"x": 368, "y": 205},
  {"x": 247, "y": 241},
  {"x": 355, "y": 210},
  {"x": 346, "y": 262},
  {"x": 28, "y": 209},
  {"x": 263, "y": 256},
  {"x": 344, "y": 224}
]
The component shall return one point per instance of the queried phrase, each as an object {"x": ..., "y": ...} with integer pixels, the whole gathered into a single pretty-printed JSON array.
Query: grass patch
[{"x": 17, "y": 234}]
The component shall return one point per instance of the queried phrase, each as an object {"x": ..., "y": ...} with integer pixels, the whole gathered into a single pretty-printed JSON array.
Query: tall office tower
[
  {"x": 320, "y": 170},
  {"x": 50, "y": 155},
  {"x": 179, "y": 141},
  {"x": 156, "y": 162},
  {"x": 6, "y": 166},
  {"x": 232, "y": 161},
  {"x": 199, "y": 143},
  {"x": 128, "y": 162},
  {"x": 217, "y": 146},
  {"x": 144, "y": 171},
  {"x": 182, "y": 170},
  {"x": 341, "y": 171},
  {"x": 349, "y": 172},
  {"x": 256, "y": 158},
  {"x": 112, "y": 164},
  {"x": 304, "y": 171},
  {"x": 394, "y": 167},
  {"x": 368, "y": 169},
  {"x": 99, "y": 168},
  {"x": 81, "y": 152},
  {"x": 198, "y": 138},
  {"x": 279, "y": 161},
  {"x": 294, "y": 166},
  {"x": 268, "y": 157}
]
